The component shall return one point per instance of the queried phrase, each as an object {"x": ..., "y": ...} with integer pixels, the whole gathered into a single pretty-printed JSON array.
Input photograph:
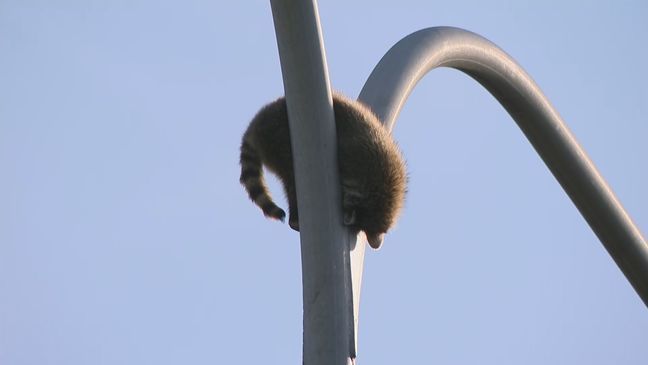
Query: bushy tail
[{"x": 252, "y": 180}]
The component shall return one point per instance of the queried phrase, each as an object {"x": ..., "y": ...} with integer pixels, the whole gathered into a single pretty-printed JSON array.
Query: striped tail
[{"x": 252, "y": 180}]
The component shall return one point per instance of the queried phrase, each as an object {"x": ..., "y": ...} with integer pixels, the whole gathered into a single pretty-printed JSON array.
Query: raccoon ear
[
  {"x": 349, "y": 217},
  {"x": 375, "y": 240}
]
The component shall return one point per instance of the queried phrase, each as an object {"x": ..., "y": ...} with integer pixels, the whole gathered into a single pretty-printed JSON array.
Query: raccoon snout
[{"x": 375, "y": 239}]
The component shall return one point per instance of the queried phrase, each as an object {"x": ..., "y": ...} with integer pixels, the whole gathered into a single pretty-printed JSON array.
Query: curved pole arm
[{"x": 410, "y": 59}]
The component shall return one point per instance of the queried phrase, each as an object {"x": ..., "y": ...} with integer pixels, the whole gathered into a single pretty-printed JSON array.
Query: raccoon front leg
[
  {"x": 349, "y": 218},
  {"x": 351, "y": 199}
]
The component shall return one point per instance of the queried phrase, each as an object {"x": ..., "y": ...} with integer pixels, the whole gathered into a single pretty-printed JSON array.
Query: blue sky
[{"x": 125, "y": 237}]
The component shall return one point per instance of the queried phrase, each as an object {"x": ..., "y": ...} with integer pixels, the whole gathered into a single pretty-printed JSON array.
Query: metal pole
[
  {"x": 325, "y": 242},
  {"x": 411, "y": 58}
]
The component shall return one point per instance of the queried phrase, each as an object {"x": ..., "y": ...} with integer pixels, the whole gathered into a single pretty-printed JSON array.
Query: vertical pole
[{"x": 325, "y": 242}]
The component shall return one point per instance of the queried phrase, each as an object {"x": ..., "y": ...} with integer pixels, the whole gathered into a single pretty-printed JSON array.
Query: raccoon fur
[{"x": 372, "y": 170}]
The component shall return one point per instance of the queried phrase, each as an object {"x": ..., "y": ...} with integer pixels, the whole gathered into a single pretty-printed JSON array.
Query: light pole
[
  {"x": 325, "y": 243},
  {"x": 332, "y": 259}
]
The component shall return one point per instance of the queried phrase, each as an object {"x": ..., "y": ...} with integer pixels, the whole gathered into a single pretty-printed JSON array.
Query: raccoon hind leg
[{"x": 291, "y": 194}]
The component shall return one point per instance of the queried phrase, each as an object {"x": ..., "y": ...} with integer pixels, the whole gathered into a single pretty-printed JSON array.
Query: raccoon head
[
  {"x": 375, "y": 239},
  {"x": 373, "y": 211}
]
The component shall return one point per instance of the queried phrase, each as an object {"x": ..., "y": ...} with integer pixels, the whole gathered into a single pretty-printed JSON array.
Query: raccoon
[{"x": 372, "y": 170}]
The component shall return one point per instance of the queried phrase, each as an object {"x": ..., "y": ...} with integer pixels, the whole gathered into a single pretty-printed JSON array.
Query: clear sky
[{"x": 125, "y": 237}]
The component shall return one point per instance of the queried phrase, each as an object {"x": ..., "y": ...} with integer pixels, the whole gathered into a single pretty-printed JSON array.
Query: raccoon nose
[{"x": 375, "y": 240}]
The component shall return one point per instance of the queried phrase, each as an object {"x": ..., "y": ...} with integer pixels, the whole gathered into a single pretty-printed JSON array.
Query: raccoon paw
[
  {"x": 349, "y": 217},
  {"x": 294, "y": 223}
]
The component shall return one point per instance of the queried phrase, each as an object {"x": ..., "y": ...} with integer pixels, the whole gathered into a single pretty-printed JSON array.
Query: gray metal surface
[
  {"x": 410, "y": 59},
  {"x": 325, "y": 242}
]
